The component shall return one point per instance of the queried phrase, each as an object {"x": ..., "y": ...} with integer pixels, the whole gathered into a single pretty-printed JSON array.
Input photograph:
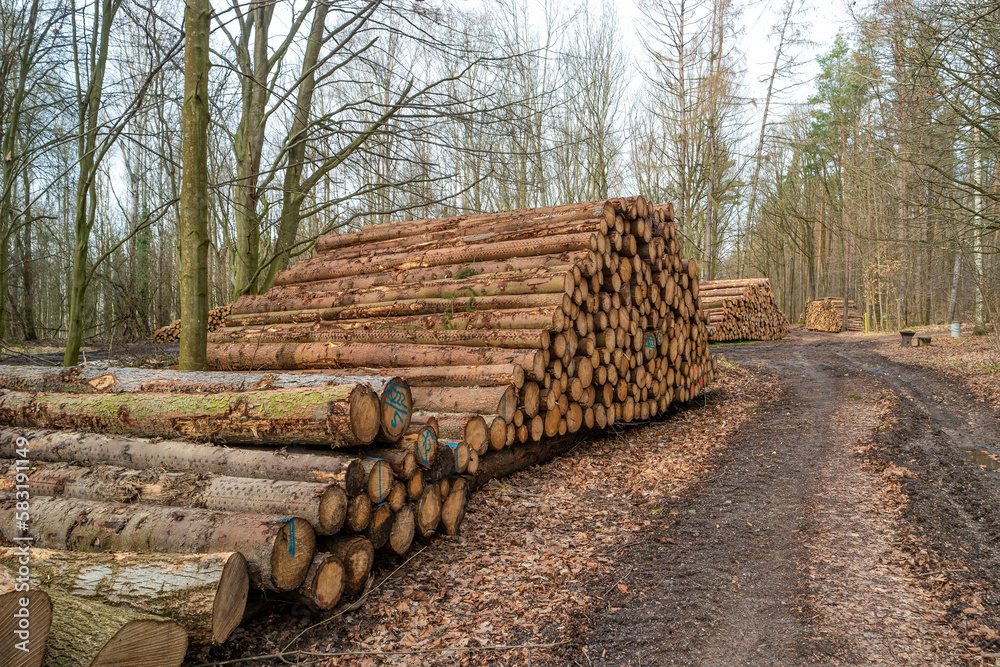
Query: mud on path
[{"x": 842, "y": 525}]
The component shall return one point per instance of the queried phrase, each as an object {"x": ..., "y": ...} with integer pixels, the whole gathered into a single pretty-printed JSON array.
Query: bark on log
[
  {"x": 277, "y": 551},
  {"x": 335, "y": 332},
  {"x": 336, "y": 355},
  {"x": 474, "y": 399},
  {"x": 94, "y": 634},
  {"x": 513, "y": 459},
  {"x": 205, "y": 593},
  {"x": 357, "y": 555},
  {"x": 176, "y": 456},
  {"x": 91, "y": 379},
  {"x": 334, "y": 416},
  {"x": 322, "y": 505},
  {"x": 22, "y": 646},
  {"x": 322, "y": 269}
]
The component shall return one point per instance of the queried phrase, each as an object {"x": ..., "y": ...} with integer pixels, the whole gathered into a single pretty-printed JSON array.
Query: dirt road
[{"x": 818, "y": 540}]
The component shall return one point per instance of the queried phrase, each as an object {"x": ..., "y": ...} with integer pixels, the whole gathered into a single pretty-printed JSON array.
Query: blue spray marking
[
  {"x": 395, "y": 397},
  {"x": 291, "y": 543},
  {"x": 454, "y": 449}
]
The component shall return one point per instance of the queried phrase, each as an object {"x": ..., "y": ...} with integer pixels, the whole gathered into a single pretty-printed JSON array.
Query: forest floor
[{"x": 823, "y": 504}]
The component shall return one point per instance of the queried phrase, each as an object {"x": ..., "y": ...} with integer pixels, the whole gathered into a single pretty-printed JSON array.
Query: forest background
[{"x": 883, "y": 185}]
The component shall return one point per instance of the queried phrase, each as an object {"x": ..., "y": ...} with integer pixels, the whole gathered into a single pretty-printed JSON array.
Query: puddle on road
[{"x": 987, "y": 458}]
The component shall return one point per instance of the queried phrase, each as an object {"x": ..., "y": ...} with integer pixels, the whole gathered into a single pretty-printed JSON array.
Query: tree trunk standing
[
  {"x": 194, "y": 189},
  {"x": 10, "y": 138},
  {"x": 89, "y": 118},
  {"x": 294, "y": 194},
  {"x": 248, "y": 144},
  {"x": 27, "y": 282},
  {"x": 956, "y": 277}
]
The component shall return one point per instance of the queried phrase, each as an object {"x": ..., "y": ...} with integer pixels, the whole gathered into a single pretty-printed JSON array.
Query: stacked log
[
  {"x": 172, "y": 332},
  {"x": 828, "y": 315},
  {"x": 586, "y": 313},
  {"x": 506, "y": 334},
  {"x": 741, "y": 310}
]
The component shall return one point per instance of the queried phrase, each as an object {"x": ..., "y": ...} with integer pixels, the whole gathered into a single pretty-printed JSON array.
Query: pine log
[
  {"x": 453, "y": 507},
  {"x": 587, "y": 261},
  {"x": 474, "y": 399},
  {"x": 357, "y": 555},
  {"x": 276, "y": 561},
  {"x": 97, "y": 379},
  {"x": 90, "y": 633},
  {"x": 403, "y": 531},
  {"x": 336, "y": 355},
  {"x": 518, "y": 283},
  {"x": 335, "y": 416},
  {"x": 323, "y": 585},
  {"x": 380, "y": 527},
  {"x": 323, "y": 269},
  {"x": 205, "y": 593},
  {"x": 89, "y": 449},
  {"x": 25, "y": 616},
  {"x": 336, "y": 332},
  {"x": 423, "y": 443},
  {"x": 359, "y": 513},
  {"x": 380, "y": 479},
  {"x": 428, "y": 511},
  {"x": 468, "y": 428},
  {"x": 402, "y": 462},
  {"x": 322, "y": 505}
]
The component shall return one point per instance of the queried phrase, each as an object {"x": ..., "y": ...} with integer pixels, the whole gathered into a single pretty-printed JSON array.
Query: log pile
[
  {"x": 172, "y": 332},
  {"x": 828, "y": 315},
  {"x": 741, "y": 310},
  {"x": 361, "y": 400}
]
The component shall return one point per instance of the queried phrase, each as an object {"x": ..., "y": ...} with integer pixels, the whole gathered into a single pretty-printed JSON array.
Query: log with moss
[
  {"x": 333, "y": 416},
  {"x": 175, "y": 456},
  {"x": 25, "y": 614},
  {"x": 278, "y": 550},
  {"x": 90, "y": 633},
  {"x": 205, "y": 593},
  {"x": 322, "y": 505}
]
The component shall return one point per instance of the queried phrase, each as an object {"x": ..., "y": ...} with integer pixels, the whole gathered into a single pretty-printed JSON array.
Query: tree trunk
[
  {"x": 276, "y": 560},
  {"x": 176, "y": 456},
  {"x": 94, "y": 634},
  {"x": 322, "y": 505},
  {"x": 398, "y": 357},
  {"x": 205, "y": 593},
  {"x": 193, "y": 224},
  {"x": 481, "y": 400},
  {"x": 334, "y": 416},
  {"x": 339, "y": 332}
]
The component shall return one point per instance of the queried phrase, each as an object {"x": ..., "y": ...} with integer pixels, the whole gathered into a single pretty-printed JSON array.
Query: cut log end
[
  {"x": 403, "y": 531},
  {"x": 293, "y": 552},
  {"x": 453, "y": 508},
  {"x": 365, "y": 413},
  {"x": 428, "y": 511},
  {"x": 144, "y": 643},
  {"x": 332, "y": 510},
  {"x": 395, "y": 409},
  {"x": 324, "y": 583},
  {"x": 39, "y": 611},
  {"x": 230, "y": 598}
]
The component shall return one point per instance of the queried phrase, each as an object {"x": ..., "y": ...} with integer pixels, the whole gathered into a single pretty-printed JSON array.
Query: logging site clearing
[{"x": 505, "y": 438}]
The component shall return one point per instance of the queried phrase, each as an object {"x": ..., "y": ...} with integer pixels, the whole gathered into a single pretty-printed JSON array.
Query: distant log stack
[
  {"x": 741, "y": 310},
  {"x": 172, "y": 332},
  {"x": 828, "y": 315},
  {"x": 364, "y": 397}
]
